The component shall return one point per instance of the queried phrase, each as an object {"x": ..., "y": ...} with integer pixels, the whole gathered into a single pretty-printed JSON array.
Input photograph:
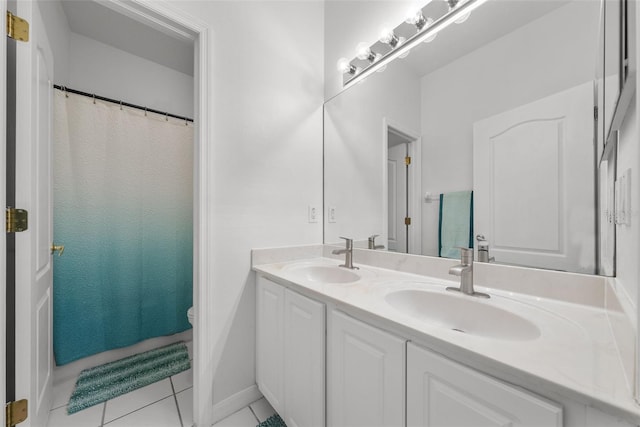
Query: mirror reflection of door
[{"x": 398, "y": 188}]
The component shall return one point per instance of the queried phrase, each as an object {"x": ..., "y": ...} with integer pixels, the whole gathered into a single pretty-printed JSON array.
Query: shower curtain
[{"x": 123, "y": 203}]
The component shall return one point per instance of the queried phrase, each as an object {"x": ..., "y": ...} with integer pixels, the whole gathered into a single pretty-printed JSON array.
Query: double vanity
[{"x": 385, "y": 344}]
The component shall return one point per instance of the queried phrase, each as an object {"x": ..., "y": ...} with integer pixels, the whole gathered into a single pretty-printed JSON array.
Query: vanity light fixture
[{"x": 459, "y": 10}]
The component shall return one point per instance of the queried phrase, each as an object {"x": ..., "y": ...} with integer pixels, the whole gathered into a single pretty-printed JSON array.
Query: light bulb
[
  {"x": 344, "y": 66},
  {"x": 416, "y": 18},
  {"x": 364, "y": 53},
  {"x": 389, "y": 37}
]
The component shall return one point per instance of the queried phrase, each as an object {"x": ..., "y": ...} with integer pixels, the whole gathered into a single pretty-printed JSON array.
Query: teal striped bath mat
[
  {"x": 273, "y": 421},
  {"x": 99, "y": 384}
]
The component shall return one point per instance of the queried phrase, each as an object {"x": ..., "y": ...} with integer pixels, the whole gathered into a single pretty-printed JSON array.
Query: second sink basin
[
  {"x": 464, "y": 314},
  {"x": 324, "y": 274}
]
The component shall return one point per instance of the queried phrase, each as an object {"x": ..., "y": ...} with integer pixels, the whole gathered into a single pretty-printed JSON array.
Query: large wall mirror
[{"x": 496, "y": 115}]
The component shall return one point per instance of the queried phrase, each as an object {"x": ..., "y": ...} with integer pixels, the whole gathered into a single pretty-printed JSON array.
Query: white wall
[
  {"x": 95, "y": 67},
  {"x": 628, "y": 236},
  {"x": 266, "y": 123},
  {"x": 550, "y": 54},
  {"x": 57, "y": 29}
]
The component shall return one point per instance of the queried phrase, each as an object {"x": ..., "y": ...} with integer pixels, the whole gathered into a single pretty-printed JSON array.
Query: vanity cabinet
[
  {"x": 365, "y": 374},
  {"x": 290, "y": 357},
  {"x": 441, "y": 392}
]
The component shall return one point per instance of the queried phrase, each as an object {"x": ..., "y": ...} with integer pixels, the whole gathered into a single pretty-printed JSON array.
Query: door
[
  {"x": 397, "y": 187},
  {"x": 533, "y": 170},
  {"x": 34, "y": 86},
  {"x": 365, "y": 375}
]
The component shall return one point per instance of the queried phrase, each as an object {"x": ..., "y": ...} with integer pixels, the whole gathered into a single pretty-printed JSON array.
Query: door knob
[{"x": 59, "y": 248}]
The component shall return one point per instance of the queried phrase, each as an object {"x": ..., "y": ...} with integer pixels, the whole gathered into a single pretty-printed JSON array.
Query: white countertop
[{"x": 575, "y": 355}]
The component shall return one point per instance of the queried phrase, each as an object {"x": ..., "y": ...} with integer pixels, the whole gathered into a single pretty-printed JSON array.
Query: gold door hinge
[
  {"x": 407, "y": 160},
  {"x": 17, "y": 220},
  {"x": 16, "y": 412},
  {"x": 17, "y": 28},
  {"x": 407, "y": 221}
]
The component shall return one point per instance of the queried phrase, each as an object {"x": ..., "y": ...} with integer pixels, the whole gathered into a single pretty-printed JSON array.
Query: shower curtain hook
[
  {"x": 166, "y": 117},
  {"x": 120, "y": 105},
  {"x": 66, "y": 95},
  {"x": 94, "y": 99},
  {"x": 145, "y": 111},
  {"x": 186, "y": 122}
]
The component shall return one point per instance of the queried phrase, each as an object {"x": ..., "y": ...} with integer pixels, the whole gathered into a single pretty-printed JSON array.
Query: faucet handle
[{"x": 348, "y": 242}]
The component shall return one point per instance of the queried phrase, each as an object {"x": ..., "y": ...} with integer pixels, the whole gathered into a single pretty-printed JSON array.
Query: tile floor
[{"x": 167, "y": 403}]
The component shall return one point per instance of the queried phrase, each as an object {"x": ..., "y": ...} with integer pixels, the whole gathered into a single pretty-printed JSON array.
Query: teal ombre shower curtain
[{"x": 123, "y": 203}]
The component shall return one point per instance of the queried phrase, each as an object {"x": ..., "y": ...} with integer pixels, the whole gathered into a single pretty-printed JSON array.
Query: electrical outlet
[
  {"x": 313, "y": 214},
  {"x": 332, "y": 214}
]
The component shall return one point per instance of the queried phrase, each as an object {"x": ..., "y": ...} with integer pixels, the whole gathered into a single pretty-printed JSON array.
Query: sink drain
[{"x": 458, "y": 330}]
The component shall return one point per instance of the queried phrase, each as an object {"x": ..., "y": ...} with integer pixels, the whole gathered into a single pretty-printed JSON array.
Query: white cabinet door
[
  {"x": 304, "y": 361},
  {"x": 444, "y": 393},
  {"x": 365, "y": 375},
  {"x": 270, "y": 342}
]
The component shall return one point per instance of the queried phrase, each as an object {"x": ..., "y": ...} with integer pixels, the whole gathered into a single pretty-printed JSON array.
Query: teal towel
[{"x": 456, "y": 223}]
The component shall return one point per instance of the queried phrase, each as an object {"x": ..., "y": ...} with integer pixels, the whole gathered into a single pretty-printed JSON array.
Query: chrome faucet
[
  {"x": 372, "y": 242},
  {"x": 483, "y": 249},
  {"x": 348, "y": 254},
  {"x": 465, "y": 271}
]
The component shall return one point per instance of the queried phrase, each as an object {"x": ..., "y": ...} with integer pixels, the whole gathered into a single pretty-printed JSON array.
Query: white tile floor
[{"x": 167, "y": 403}]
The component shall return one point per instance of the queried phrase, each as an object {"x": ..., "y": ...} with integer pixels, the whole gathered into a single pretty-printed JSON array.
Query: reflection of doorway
[{"x": 402, "y": 181}]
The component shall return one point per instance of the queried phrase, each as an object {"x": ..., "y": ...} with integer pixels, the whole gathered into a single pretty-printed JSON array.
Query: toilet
[{"x": 190, "y": 315}]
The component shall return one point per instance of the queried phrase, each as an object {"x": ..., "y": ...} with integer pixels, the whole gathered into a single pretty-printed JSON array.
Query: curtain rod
[{"x": 122, "y": 103}]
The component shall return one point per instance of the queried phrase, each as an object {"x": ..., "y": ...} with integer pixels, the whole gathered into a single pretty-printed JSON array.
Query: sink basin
[
  {"x": 324, "y": 274},
  {"x": 464, "y": 314}
]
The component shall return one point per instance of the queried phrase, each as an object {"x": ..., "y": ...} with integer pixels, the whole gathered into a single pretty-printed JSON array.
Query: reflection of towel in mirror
[{"x": 456, "y": 223}]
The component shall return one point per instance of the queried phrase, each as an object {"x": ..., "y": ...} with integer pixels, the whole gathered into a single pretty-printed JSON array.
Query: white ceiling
[{"x": 91, "y": 19}]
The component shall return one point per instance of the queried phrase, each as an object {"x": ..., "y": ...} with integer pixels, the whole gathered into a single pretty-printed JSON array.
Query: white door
[
  {"x": 365, "y": 375},
  {"x": 533, "y": 175},
  {"x": 34, "y": 270},
  {"x": 304, "y": 360},
  {"x": 441, "y": 392},
  {"x": 397, "y": 202}
]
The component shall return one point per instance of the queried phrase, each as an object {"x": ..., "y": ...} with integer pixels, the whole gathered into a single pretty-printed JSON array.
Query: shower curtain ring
[
  {"x": 66, "y": 95},
  {"x": 186, "y": 122},
  {"x": 145, "y": 111},
  {"x": 94, "y": 99},
  {"x": 120, "y": 105},
  {"x": 166, "y": 117}
]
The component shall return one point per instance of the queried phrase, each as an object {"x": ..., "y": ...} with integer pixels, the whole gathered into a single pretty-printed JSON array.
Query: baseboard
[{"x": 235, "y": 402}]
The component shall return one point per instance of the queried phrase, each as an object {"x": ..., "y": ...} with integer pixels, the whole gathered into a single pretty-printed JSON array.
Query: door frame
[
  {"x": 415, "y": 182},
  {"x": 165, "y": 17},
  {"x": 3, "y": 200}
]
